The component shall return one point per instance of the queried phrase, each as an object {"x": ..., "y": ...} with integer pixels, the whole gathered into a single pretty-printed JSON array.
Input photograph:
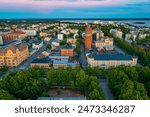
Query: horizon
[{"x": 55, "y": 19}]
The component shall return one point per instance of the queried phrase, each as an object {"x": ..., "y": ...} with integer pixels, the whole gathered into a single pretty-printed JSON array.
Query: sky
[{"x": 17, "y": 9}]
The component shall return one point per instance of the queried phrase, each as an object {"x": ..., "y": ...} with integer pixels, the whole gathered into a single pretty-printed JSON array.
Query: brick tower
[{"x": 88, "y": 37}]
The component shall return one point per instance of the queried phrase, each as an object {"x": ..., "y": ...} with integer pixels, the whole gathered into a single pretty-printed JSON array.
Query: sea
[{"x": 132, "y": 22}]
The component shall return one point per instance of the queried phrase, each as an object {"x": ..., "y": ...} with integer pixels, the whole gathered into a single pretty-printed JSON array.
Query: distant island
[{"x": 139, "y": 23}]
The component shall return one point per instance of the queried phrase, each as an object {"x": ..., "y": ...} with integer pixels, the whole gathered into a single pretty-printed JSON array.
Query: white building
[
  {"x": 116, "y": 33},
  {"x": 60, "y": 37},
  {"x": 56, "y": 43},
  {"x": 111, "y": 22},
  {"x": 1, "y": 40},
  {"x": 130, "y": 37},
  {"x": 47, "y": 39},
  {"x": 99, "y": 34},
  {"x": 113, "y": 60},
  {"x": 106, "y": 43},
  {"x": 74, "y": 31},
  {"x": 30, "y": 32},
  {"x": 32, "y": 51},
  {"x": 37, "y": 44},
  {"x": 142, "y": 36},
  {"x": 97, "y": 22}
]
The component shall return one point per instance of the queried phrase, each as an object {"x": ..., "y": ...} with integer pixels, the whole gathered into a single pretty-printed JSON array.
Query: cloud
[{"x": 50, "y": 5}]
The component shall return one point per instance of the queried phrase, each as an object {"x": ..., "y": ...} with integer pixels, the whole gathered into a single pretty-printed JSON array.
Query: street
[
  {"x": 83, "y": 60},
  {"x": 26, "y": 64},
  {"x": 106, "y": 90},
  {"x": 122, "y": 52}
]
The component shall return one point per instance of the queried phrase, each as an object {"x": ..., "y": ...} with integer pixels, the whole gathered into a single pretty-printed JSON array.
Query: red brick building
[
  {"x": 67, "y": 51},
  {"x": 88, "y": 37},
  {"x": 14, "y": 35}
]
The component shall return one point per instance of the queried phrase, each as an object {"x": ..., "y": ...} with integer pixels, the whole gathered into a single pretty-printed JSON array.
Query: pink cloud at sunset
[{"x": 41, "y": 5}]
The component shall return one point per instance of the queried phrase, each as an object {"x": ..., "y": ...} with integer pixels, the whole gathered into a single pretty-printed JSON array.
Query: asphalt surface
[
  {"x": 83, "y": 59},
  {"x": 122, "y": 52},
  {"x": 106, "y": 90},
  {"x": 26, "y": 64}
]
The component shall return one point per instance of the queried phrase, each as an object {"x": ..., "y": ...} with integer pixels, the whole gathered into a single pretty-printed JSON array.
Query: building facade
[
  {"x": 99, "y": 34},
  {"x": 67, "y": 51},
  {"x": 43, "y": 34},
  {"x": 64, "y": 64},
  {"x": 1, "y": 40},
  {"x": 14, "y": 35},
  {"x": 106, "y": 61},
  {"x": 37, "y": 44},
  {"x": 41, "y": 63},
  {"x": 13, "y": 55},
  {"x": 116, "y": 33},
  {"x": 30, "y": 32},
  {"x": 106, "y": 43},
  {"x": 71, "y": 41},
  {"x": 88, "y": 37},
  {"x": 60, "y": 37}
]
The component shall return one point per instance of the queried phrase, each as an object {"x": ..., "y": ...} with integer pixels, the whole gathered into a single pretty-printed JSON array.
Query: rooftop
[
  {"x": 37, "y": 42},
  {"x": 114, "y": 57},
  {"x": 13, "y": 42},
  {"x": 43, "y": 60},
  {"x": 13, "y": 48},
  {"x": 67, "y": 46}
]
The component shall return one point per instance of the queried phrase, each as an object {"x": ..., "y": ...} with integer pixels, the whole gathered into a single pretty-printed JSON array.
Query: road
[
  {"x": 26, "y": 64},
  {"x": 106, "y": 90},
  {"x": 119, "y": 50},
  {"x": 122, "y": 52},
  {"x": 83, "y": 59}
]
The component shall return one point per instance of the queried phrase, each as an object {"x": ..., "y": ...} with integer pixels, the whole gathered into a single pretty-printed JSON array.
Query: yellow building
[
  {"x": 13, "y": 55},
  {"x": 43, "y": 34},
  {"x": 106, "y": 60},
  {"x": 106, "y": 43},
  {"x": 71, "y": 41}
]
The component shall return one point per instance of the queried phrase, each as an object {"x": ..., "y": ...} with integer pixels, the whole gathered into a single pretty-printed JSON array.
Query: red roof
[{"x": 19, "y": 32}]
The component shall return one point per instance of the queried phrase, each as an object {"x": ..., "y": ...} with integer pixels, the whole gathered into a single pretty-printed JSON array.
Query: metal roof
[
  {"x": 43, "y": 60},
  {"x": 112, "y": 57},
  {"x": 59, "y": 57}
]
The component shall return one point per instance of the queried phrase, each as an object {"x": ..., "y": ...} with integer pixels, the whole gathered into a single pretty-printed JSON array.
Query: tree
[
  {"x": 123, "y": 83},
  {"x": 72, "y": 84},
  {"x": 59, "y": 76},
  {"x": 143, "y": 56},
  {"x": 78, "y": 49},
  {"x": 93, "y": 85},
  {"x": 51, "y": 76},
  {"x": 4, "y": 69},
  {"x": 147, "y": 86},
  {"x": 141, "y": 89},
  {"x": 95, "y": 95},
  {"x": 4, "y": 95},
  {"x": 127, "y": 90},
  {"x": 24, "y": 84},
  {"x": 116, "y": 79},
  {"x": 64, "y": 42},
  {"x": 130, "y": 71},
  {"x": 94, "y": 71},
  {"x": 81, "y": 80},
  {"x": 49, "y": 46}
]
